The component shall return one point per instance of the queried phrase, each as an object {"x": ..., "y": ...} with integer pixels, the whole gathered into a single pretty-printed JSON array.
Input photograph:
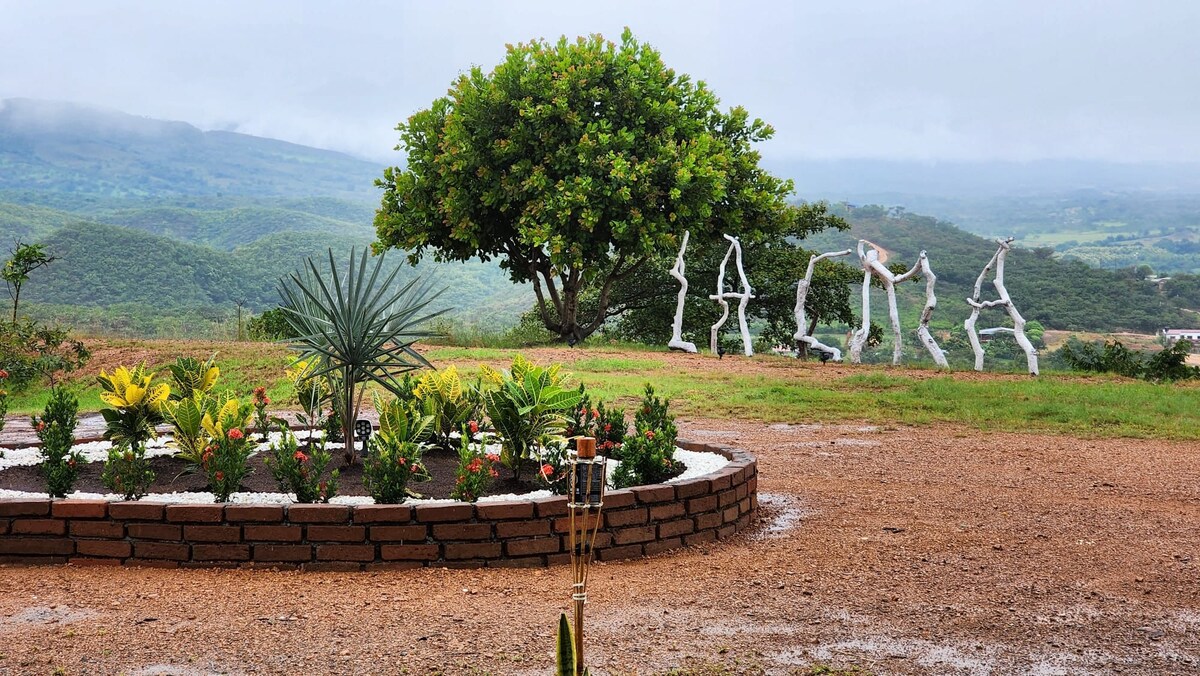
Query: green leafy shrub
[
  {"x": 648, "y": 456},
  {"x": 270, "y": 325},
  {"x": 127, "y": 471},
  {"x": 3, "y": 400},
  {"x": 56, "y": 430},
  {"x": 300, "y": 473},
  {"x": 476, "y": 469},
  {"x": 192, "y": 376},
  {"x": 260, "y": 400},
  {"x": 1169, "y": 364},
  {"x": 30, "y": 351},
  {"x": 606, "y": 426},
  {"x": 229, "y": 447},
  {"x": 394, "y": 451},
  {"x": 189, "y": 402},
  {"x": 441, "y": 394},
  {"x": 529, "y": 408},
  {"x": 311, "y": 393}
]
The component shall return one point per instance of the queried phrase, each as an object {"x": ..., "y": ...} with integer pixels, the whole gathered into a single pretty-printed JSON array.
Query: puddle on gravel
[
  {"x": 782, "y": 513},
  {"x": 43, "y": 615}
]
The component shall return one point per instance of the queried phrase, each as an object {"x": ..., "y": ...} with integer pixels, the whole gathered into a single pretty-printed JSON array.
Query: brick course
[{"x": 642, "y": 521}]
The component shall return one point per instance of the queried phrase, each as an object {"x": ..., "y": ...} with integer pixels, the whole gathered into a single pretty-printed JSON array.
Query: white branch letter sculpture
[
  {"x": 1004, "y": 301},
  {"x": 802, "y": 334},
  {"x": 743, "y": 296},
  {"x": 873, "y": 266},
  {"x": 677, "y": 271}
]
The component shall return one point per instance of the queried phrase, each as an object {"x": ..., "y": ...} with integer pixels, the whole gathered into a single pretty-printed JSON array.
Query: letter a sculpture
[
  {"x": 1004, "y": 301},
  {"x": 722, "y": 295}
]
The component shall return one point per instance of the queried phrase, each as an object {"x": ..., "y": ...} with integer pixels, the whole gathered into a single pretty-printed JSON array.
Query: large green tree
[{"x": 576, "y": 164}]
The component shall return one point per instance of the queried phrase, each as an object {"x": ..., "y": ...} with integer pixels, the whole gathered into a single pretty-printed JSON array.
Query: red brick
[
  {"x": 85, "y": 561},
  {"x": 3, "y": 526},
  {"x": 283, "y": 552},
  {"x": 38, "y": 527},
  {"x": 24, "y": 507},
  {"x": 748, "y": 505},
  {"x": 336, "y": 533},
  {"x": 383, "y": 514},
  {"x": 524, "y": 562},
  {"x": 654, "y": 493},
  {"x": 275, "y": 566},
  {"x": 533, "y": 546},
  {"x": 557, "y": 559},
  {"x": 701, "y": 505},
  {"x": 510, "y": 529},
  {"x": 742, "y": 491},
  {"x": 619, "y": 499},
  {"x": 154, "y": 531},
  {"x": 726, "y": 532},
  {"x": 80, "y": 509},
  {"x": 752, "y": 483},
  {"x": 258, "y": 513},
  {"x": 37, "y": 546},
  {"x": 627, "y": 517},
  {"x": 673, "y": 528},
  {"x": 706, "y": 521},
  {"x": 462, "y": 531},
  {"x": 555, "y": 506},
  {"x": 670, "y": 510},
  {"x": 136, "y": 511},
  {"x": 513, "y": 509},
  {"x": 160, "y": 550},
  {"x": 395, "y": 565},
  {"x": 700, "y": 537},
  {"x": 627, "y": 536},
  {"x": 210, "y": 565},
  {"x": 462, "y": 565},
  {"x": 346, "y": 552},
  {"x": 615, "y": 553},
  {"x": 409, "y": 552},
  {"x": 399, "y": 533},
  {"x": 739, "y": 477},
  {"x": 660, "y": 546},
  {"x": 691, "y": 488},
  {"x": 332, "y": 567},
  {"x": 731, "y": 514},
  {"x": 106, "y": 548},
  {"x": 726, "y": 498},
  {"x": 272, "y": 533},
  {"x": 151, "y": 563},
  {"x": 431, "y": 513},
  {"x": 98, "y": 529},
  {"x": 195, "y": 513},
  {"x": 221, "y": 552},
  {"x": 318, "y": 513},
  {"x": 212, "y": 533},
  {"x": 472, "y": 550},
  {"x": 722, "y": 480}
]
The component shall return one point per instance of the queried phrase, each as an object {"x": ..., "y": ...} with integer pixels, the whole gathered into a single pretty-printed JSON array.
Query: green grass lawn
[{"x": 779, "y": 390}]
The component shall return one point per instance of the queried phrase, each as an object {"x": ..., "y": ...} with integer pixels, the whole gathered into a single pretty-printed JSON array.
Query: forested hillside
[{"x": 1060, "y": 294}]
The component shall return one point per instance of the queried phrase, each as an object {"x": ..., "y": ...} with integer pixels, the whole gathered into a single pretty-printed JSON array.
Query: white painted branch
[
  {"x": 1004, "y": 301},
  {"x": 720, "y": 298},
  {"x": 677, "y": 271},
  {"x": 743, "y": 296},
  {"x": 859, "y": 339},
  {"x": 802, "y": 296},
  {"x": 935, "y": 351}
]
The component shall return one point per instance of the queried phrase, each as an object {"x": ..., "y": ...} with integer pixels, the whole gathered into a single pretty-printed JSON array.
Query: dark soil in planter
[{"x": 174, "y": 476}]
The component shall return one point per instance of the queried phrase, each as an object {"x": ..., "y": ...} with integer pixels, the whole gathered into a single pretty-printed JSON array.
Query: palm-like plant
[{"x": 360, "y": 327}]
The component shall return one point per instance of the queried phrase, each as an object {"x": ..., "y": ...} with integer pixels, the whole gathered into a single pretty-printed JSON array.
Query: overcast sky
[{"x": 958, "y": 79}]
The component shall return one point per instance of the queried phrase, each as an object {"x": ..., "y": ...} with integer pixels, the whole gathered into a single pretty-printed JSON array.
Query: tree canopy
[{"x": 577, "y": 163}]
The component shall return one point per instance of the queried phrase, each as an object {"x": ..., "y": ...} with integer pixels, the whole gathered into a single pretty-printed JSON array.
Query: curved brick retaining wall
[{"x": 642, "y": 520}]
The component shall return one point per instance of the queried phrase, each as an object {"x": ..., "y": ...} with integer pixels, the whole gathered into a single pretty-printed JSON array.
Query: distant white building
[{"x": 1172, "y": 335}]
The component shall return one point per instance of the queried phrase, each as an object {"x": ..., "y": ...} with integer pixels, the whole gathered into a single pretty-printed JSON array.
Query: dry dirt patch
[{"x": 897, "y": 550}]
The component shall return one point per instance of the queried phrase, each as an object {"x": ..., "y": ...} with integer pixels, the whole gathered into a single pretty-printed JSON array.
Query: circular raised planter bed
[{"x": 514, "y": 533}]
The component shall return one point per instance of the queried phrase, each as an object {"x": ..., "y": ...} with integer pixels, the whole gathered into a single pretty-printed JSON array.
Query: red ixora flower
[
  {"x": 473, "y": 426},
  {"x": 547, "y": 470},
  {"x": 220, "y": 475},
  {"x": 300, "y": 457},
  {"x": 235, "y": 434},
  {"x": 649, "y": 434},
  {"x": 3, "y": 374},
  {"x": 492, "y": 457},
  {"x": 41, "y": 426}
]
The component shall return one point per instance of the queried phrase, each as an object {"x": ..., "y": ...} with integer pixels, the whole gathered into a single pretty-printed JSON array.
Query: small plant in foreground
[
  {"x": 302, "y": 473},
  {"x": 224, "y": 459},
  {"x": 260, "y": 400},
  {"x": 137, "y": 405},
  {"x": 606, "y": 426},
  {"x": 56, "y": 430},
  {"x": 476, "y": 469},
  {"x": 127, "y": 471},
  {"x": 390, "y": 466},
  {"x": 649, "y": 453}
]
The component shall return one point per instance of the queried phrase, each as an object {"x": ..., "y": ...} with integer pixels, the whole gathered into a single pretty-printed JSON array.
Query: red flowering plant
[
  {"x": 299, "y": 473},
  {"x": 648, "y": 456},
  {"x": 394, "y": 451},
  {"x": 554, "y": 470},
  {"x": 127, "y": 471},
  {"x": 3, "y": 401},
  {"x": 224, "y": 462},
  {"x": 606, "y": 426},
  {"x": 260, "y": 400},
  {"x": 476, "y": 468}
]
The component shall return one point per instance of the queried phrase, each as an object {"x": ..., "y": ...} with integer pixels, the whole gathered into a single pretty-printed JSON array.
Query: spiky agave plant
[{"x": 359, "y": 326}]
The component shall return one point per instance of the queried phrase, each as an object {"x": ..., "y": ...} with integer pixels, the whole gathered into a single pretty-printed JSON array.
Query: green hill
[
  {"x": 49, "y": 146},
  {"x": 1060, "y": 294}
]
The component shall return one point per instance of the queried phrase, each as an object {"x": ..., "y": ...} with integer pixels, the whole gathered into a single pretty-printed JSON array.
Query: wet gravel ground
[{"x": 895, "y": 550}]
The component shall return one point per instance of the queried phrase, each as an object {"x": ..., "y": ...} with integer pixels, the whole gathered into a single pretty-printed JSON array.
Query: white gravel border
[{"x": 697, "y": 463}]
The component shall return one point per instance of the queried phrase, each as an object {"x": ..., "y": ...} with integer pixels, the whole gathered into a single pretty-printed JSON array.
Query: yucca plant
[{"x": 359, "y": 326}]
